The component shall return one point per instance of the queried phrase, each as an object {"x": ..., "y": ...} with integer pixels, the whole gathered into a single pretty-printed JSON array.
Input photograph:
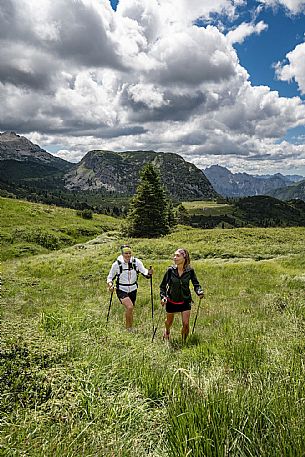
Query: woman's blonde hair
[{"x": 186, "y": 256}]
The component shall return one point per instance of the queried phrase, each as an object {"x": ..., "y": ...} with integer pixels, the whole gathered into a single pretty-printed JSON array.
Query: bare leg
[
  {"x": 128, "y": 311},
  {"x": 185, "y": 315},
  {"x": 168, "y": 323}
]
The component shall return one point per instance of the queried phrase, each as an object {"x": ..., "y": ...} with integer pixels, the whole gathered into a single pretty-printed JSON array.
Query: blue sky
[
  {"x": 218, "y": 82},
  {"x": 258, "y": 53},
  {"x": 114, "y": 4}
]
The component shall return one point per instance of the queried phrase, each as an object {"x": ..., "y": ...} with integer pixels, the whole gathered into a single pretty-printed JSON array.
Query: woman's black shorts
[
  {"x": 132, "y": 295},
  {"x": 174, "y": 308}
]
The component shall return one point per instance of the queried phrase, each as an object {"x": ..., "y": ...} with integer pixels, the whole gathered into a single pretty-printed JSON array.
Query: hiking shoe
[{"x": 131, "y": 330}]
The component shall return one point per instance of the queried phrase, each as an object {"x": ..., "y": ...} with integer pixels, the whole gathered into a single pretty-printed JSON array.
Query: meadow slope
[
  {"x": 72, "y": 386},
  {"x": 33, "y": 228}
]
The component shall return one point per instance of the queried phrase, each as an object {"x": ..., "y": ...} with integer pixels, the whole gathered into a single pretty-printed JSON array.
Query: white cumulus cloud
[
  {"x": 295, "y": 68},
  {"x": 293, "y": 6},
  {"x": 244, "y": 30},
  {"x": 79, "y": 75}
]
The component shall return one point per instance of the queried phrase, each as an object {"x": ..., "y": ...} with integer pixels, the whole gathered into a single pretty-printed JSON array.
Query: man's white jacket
[{"x": 128, "y": 277}]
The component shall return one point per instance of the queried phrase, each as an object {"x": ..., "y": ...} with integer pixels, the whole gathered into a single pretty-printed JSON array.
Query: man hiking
[{"x": 126, "y": 269}]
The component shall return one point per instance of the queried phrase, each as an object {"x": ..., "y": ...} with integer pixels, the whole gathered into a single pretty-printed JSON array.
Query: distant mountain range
[
  {"x": 26, "y": 168},
  {"x": 103, "y": 181},
  {"x": 230, "y": 184},
  {"x": 24, "y": 164},
  {"x": 294, "y": 191}
]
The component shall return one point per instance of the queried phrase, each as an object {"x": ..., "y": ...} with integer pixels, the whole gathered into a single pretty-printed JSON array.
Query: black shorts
[
  {"x": 132, "y": 295},
  {"x": 173, "y": 308}
]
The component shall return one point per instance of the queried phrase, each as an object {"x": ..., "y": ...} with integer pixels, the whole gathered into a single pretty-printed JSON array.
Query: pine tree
[
  {"x": 183, "y": 216},
  {"x": 148, "y": 211},
  {"x": 171, "y": 214}
]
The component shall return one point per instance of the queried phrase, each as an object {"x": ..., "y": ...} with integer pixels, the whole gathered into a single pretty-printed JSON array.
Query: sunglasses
[{"x": 126, "y": 252}]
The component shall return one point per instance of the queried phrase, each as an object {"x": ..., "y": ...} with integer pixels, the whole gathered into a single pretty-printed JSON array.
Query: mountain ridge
[
  {"x": 101, "y": 168},
  {"x": 111, "y": 172},
  {"x": 294, "y": 191},
  {"x": 117, "y": 173},
  {"x": 19, "y": 148},
  {"x": 230, "y": 184}
]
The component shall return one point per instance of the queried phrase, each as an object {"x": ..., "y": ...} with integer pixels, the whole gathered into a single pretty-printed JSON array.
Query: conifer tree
[
  {"x": 182, "y": 215},
  {"x": 171, "y": 214},
  {"x": 148, "y": 211}
]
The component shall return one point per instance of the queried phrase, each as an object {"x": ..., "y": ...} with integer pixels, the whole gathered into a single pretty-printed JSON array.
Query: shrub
[{"x": 85, "y": 214}]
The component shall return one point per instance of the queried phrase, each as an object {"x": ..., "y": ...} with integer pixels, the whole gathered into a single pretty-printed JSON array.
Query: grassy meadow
[
  {"x": 33, "y": 228},
  {"x": 208, "y": 208},
  {"x": 70, "y": 385}
]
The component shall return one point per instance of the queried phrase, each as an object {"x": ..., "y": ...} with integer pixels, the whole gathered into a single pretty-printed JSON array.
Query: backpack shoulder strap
[
  {"x": 120, "y": 266},
  {"x": 134, "y": 264},
  {"x": 119, "y": 274},
  {"x": 169, "y": 273}
]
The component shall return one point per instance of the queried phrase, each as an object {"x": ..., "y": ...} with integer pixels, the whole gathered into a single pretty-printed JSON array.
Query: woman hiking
[
  {"x": 175, "y": 292},
  {"x": 126, "y": 269}
]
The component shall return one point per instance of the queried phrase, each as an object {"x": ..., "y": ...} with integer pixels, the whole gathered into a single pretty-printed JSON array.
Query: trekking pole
[
  {"x": 194, "y": 325},
  {"x": 109, "y": 307},
  {"x": 158, "y": 321},
  {"x": 152, "y": 301}
]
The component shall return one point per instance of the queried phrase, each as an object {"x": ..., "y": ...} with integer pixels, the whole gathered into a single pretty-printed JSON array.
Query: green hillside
[
  {"x": 22, "y": 171},
  {"x": 32, "y": 228},
  {"x": 72, "y": 386},
  {"x": 208, "y": 208},
  {"x": 296, "y": 190},
  {"x": 256, "y": 211},
  {"x": 269, "y": 211}
]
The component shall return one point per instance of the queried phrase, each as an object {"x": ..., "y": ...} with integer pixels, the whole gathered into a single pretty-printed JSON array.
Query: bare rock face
[
  {"x": 231, "y": 184},
  {"x": 117, "y": 172},
  {"x": 120, "y": 172},
  {"x": 19, "y": 148},
  {"x": 295, "y": 191}
]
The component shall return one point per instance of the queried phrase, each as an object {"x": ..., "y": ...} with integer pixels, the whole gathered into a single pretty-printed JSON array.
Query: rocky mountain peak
[
  {"x": 8, "y": 136},
  {"x": 14, "y": 144},
  {"x": 231, "y": 184},
  {"x": 19, "y": 148},
  {"x": 120, "y": 172}
]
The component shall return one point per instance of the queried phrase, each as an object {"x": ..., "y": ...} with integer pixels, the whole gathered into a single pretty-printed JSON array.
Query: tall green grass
[{"x": 70, "y": 385}]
